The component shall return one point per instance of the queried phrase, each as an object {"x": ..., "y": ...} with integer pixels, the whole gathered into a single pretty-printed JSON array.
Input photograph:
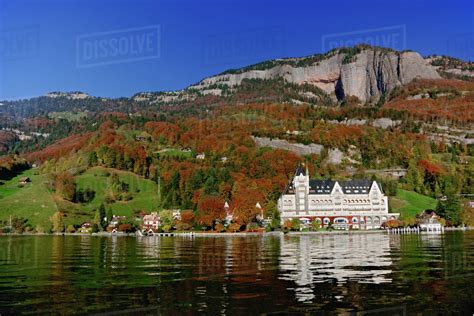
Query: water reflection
[
  {"x": 237, "y": 275},
  {"x": 308, "y": 260}
]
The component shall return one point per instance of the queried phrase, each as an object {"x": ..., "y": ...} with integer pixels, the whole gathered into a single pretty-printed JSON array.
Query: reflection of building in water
[{"x": 307, "y": 260}]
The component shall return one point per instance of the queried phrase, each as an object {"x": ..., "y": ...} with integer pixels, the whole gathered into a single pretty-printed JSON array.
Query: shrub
[
  {"x": 219, "y": 227},
  {"x": 315, "y": 225},
  {"x": 40, "y": 229},
  {"x": 166, "y": 228},
  {"x": 126, "y": 228},
  {"x": 70, "y": 229},
  {"x": 234, "y": 227},
  {"x": 95, "y": 228},
  {"x": 295, "y": 224}
]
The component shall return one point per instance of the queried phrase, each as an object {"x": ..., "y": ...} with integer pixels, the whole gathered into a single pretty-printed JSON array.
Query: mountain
[
  {"x": 452, "y": 68},
  {"x": 357, "y": 75},
  {"x": 365, "y": 72},
  {"x": 69, "y": 95}
]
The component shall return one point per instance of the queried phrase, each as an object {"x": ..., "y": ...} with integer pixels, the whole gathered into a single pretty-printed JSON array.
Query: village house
[
  {"x": 24, "y": 180},
  {"x": 176, "y": 215},
  {"x": 429, "y": 221},
  {"x": 353, "y": 204},
  {"x": 114, "y": 222},
  {"x": 85, "y": 228},
  {"x": 201, "y": 156},
  {"x": 142, "y": 137},
  {"x": 151, "y": 221}
]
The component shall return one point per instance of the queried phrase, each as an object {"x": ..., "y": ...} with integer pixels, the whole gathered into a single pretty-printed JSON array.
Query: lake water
[{"x": 367, "y": 273}]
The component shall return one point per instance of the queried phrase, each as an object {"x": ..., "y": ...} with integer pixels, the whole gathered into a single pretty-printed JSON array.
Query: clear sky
[{"x": 116, "y": 48}]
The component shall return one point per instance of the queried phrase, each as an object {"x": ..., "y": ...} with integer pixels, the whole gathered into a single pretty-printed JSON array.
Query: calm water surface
[{"x": 373, "y": 273}]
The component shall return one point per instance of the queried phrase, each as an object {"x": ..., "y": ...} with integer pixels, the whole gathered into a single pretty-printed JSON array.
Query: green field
[
  {"x": 170, "y": 152},
  {"x": 34, "y": 201},
  {"x": 37, "y": 203},
  {"x": 144, "y": 191},
  {"x": 409, "y": 203}
]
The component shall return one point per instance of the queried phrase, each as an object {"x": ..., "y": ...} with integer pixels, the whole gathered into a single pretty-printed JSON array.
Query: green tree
[
  {"x": 65, "y": 185},
  {"x": 450, "y": 209},
  {"x": 414, "y": 178},
  {"x": 315, "y": 225},
  {"x": 70, "y": 229},
  {"x": 57, "y": 222},
  {"x": 99, "y": 217},
  {"x": 167, "y": 220},
  {"x": 109, "y": 215}
]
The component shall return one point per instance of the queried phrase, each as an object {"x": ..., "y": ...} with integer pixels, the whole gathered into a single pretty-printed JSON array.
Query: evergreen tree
[
  {"x": 450, "y": 209},
  {"x": 99, "y": 217},
  {"x": 109, "y": 215}
]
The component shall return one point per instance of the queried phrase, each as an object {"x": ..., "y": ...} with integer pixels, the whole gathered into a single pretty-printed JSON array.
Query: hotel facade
[{"x": 353, "y": 204}]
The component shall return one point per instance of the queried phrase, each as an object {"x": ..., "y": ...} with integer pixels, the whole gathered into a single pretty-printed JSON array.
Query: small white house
[{"x": 429, "y": 221}]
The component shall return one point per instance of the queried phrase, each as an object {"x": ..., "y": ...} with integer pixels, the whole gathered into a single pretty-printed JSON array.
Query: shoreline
[{"x": 216, "y": 234}]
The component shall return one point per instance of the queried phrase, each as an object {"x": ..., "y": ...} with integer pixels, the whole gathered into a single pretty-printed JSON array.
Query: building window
[
  {"x": 326, "y": 221},
  {"x": 354, "y": 220}
]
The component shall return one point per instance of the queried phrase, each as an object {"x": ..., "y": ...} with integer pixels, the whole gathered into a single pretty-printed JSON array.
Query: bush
[
  {"x": 95, "y": 228},
  {"x": 275, "y": 223},
  {"x": 219, "y": 227},
  {"x": 183, "y": 226},
  {"x": 315, "y": 225},
  {"x": 70, "y": 229},
  {"x": 295, "y": 224},
  {"x": 252, "y": 226},
  {"x": 287, "y": 225},
  {"x": 234, "y": 227},
  {"x": 126, "y": 228},
  {"x": 166, "y": 228},
  {"x": 40, "y": 229}
]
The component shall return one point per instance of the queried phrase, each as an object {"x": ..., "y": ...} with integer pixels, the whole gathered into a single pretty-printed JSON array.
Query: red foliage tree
[{"x": 211, "y": 209}]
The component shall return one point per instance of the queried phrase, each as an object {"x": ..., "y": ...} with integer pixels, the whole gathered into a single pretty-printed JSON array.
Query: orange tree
[{"x": 210, "y": 211}]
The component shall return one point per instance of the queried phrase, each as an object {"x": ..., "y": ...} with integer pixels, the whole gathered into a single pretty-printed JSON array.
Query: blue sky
[{"x": 170, "y": 44}]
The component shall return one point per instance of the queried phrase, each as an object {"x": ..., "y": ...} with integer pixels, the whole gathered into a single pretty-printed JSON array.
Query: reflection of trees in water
[
  {"x": 309, "y": 260},
  {"x": 251, "y": 275},
  {"x": 225, "y": 273}
]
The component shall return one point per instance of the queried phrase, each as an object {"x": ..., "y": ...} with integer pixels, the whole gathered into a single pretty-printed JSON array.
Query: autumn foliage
[{"x": 211, "y": 209}]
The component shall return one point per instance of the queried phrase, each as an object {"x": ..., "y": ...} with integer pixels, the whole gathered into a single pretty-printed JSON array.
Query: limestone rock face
[{"x": 366, "y": 75}]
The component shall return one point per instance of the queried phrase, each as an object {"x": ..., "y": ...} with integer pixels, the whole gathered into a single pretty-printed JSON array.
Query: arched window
[
  {"x": 326, "y": 220},
  {"x": 354, "y": 220}
]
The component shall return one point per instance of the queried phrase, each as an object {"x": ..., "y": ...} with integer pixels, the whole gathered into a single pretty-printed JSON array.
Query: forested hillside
[{"x": 196, "y": 149}]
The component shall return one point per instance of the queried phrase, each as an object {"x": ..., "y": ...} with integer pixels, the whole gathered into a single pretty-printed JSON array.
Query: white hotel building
[{"x": 354, "y": 204}]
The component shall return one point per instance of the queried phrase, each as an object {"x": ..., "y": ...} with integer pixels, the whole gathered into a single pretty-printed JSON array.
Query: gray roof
[
  {"x": 326, "y": 186},
  {"x": 321, "y": 186},
  {"x": 356, "y": 186}
]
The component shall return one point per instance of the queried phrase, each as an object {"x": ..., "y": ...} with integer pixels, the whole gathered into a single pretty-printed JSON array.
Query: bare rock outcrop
[{"x": 366, "y": 74}]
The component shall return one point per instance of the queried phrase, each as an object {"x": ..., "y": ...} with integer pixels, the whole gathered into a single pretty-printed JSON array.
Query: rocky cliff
[{"x": 364, "y": 72}]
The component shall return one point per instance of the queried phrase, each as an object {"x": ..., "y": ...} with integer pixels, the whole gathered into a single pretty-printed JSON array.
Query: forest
[{"x": 200, "y": 152}]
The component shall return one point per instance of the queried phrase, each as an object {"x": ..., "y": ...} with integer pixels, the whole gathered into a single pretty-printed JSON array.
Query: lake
[{"x": 367, "y": 273}]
